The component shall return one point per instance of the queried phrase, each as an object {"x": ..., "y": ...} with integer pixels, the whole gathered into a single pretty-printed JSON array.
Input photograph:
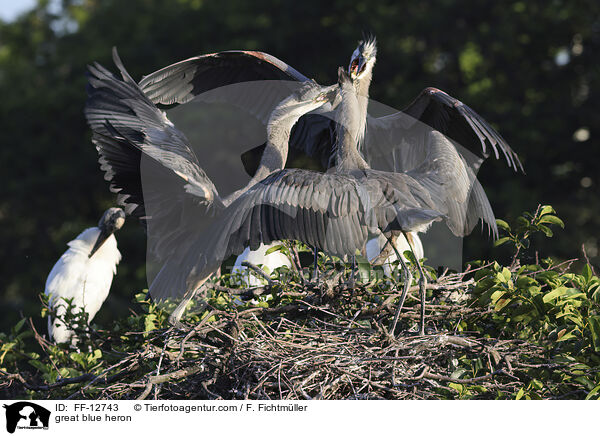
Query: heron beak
[
  {"x": 329, "y": 95},
  {"x": 332, "y": 94},
  {"x": 102, "y": 237},
  {"x": 357, "y": 66}
]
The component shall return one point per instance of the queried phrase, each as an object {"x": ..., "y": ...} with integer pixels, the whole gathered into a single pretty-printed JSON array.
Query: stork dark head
[
  {"x": 363, "y": 58},
  {"x": 111, "y": 221}
]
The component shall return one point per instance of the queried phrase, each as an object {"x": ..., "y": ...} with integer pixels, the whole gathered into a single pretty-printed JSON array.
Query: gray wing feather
[
  {"x": 182, "y": 81},
  {"x": 134, "y": 138},
  {"x": 289, "y": 205}
]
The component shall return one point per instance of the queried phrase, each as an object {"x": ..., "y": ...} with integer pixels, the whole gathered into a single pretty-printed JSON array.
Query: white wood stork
[
  {"x": 84, "y": 273},
  {"x": 259, "y": 257}
]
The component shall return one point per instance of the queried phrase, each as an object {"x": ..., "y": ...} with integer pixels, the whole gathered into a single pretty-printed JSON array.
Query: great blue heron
[
  {"x": 84, "y": 273},
  {"x": 388, "y": 142},
  {"x": 183, "y": 81},
  {"x": 335, "y": 211},
  {"x": 128, "y": 127},
  {"x": 427, "y": 188}
]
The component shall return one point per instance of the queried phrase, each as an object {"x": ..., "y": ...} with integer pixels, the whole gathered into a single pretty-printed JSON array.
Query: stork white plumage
[
  {"x": 375, "y": 245},
  {"x": 84, "y": 273},
  {"x": 259, "y": 257}
]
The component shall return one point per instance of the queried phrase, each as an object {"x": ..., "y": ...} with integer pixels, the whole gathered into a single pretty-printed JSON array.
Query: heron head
[
  {"x": 309, "y": 96},
  {"x": 312, "y": 93},
  {"x": 363, "y": 58}
]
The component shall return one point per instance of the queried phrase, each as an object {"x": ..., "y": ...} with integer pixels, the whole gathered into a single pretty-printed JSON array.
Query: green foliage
[
  {"x": 548, "y": 311},
  {"x": 528, "y": 224},
  {"x": 546, "y": 303}
]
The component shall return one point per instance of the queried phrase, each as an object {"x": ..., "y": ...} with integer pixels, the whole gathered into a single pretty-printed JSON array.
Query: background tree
[{"x": 531, "y": 68}]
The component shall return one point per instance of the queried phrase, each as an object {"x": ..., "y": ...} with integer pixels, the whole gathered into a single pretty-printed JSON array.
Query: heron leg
[
  {"x": 422, "y": 285},
  {"x": 316, "y": 270},
  {"x": 407, "y": 280},
  {"x": 180, "y": 309},
  {"x": 385, "y": 252}
]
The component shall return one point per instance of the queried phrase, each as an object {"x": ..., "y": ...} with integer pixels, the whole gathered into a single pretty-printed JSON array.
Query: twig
[
  {"x": 463, "y": 381},
  {"x": 176, "y": 375},
  {"x": 259, "y": 271},
  {"x": 587, "y": 259}
]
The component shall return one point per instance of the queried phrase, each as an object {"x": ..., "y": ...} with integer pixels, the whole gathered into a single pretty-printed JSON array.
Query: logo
[{"x": 26, "y": 415}]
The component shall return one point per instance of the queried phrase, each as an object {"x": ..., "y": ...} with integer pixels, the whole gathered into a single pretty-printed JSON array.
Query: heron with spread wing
[
  {"x": 391, "y": 143},
  {"x": 333, "y": 211}
]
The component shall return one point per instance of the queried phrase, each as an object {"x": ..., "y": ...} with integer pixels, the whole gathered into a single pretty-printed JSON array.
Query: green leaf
[
  {"x": 525, "y": 282},
  {"x": 141, "y": 297},
  {"x": 520, "y": 394},
  {"x": 501, "y": 241},
  {"x": 274, "y": 249},
  {"x": 502, "y": 224},
  {"x": 594, "y": 393},
  {"x": 149, "y": 323},
  {"x": 595, "y": 330},
  {"x": 457, "y": 386},
  {"x": 536, "y": 384},
  {"x": 552, "y": 219},
  {"x": 567, "y": 336},
  {"x": 18, "y": 326},
  {"x": 587, "y": 272},
  {"x": 546, "y": 230},
  {"x": 496, "y": 296},
  {"x": 78, "y": 358},
  {"x": 39, "y": 365},
  {"x": 585, "y": 382},
  {"x": 558, "y": 292},
  {"x": 522, "y": 223},
  {"x": 546, "y": 210}
]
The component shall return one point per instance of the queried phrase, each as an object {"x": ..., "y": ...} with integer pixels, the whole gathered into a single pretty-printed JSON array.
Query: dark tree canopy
[{"x": 530, "y": 68}]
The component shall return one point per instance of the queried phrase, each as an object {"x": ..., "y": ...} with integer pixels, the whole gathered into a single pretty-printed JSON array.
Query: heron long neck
[
  {"x": 361, "y": 86},
  {"x": 275, "y": 154},
  {"x": 349, "y": 132},
  {"x": 278, "y": 134}
]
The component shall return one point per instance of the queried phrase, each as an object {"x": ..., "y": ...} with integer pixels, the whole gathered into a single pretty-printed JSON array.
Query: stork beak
[{"x": 102, "y": 237}]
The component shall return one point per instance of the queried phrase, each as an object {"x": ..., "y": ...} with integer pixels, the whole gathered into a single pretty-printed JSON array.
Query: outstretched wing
[
  {"x": 310, "y": 142},
  {"x": 182, "y": 81},
  {"x": 408, "y": 144},
  {"x": 147, "y": 161},
  {"x": 334, "y": 212},
  {"x": 447, "y": 115}
]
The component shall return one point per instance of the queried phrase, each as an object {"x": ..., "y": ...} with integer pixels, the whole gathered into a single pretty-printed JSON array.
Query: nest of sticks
[{"x": 321, "y": 342}]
